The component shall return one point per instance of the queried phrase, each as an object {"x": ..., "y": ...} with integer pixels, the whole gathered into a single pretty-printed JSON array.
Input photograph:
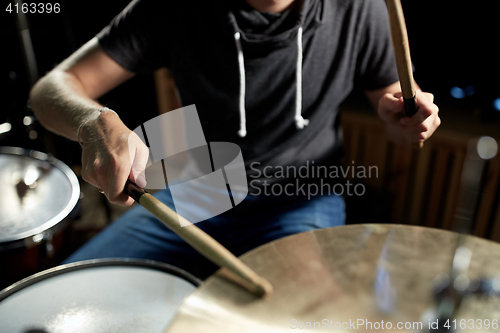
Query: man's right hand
[
  {"x": 112, "y": 153},
  {"x": 64, "y": 97}
]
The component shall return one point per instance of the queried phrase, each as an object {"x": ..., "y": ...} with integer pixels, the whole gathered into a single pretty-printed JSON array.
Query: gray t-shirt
[{"x": 346, "y": 44}]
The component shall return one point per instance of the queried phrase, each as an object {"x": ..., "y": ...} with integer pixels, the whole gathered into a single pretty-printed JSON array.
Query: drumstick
[
  {"x": 403, "y": 59},
  {"x": 236, "y": 270}
]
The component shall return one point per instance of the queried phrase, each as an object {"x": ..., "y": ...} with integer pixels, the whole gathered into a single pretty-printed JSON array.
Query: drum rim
[
  {"x": 93, "y": 263},
  {"x": 75, "y": 193}
]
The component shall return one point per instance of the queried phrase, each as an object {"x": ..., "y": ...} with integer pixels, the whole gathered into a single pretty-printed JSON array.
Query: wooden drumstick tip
[
  {"x": 265, "y": 288},
  {"x": 262, "y": 288},
  {"x": 258, "y": 286}
]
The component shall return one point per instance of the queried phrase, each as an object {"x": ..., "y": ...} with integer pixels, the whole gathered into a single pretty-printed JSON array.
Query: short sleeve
[
  {"x": 137, "y": 37},
  {"x": 376, "y": 66}
]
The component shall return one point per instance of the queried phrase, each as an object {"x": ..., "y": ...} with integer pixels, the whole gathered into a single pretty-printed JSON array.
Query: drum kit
[
  {"x": 370, "y": 277},
  {"x": 343, "y": 279}
]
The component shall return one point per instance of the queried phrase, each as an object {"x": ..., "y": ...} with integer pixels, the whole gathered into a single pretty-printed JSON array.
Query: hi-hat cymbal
[{"x": 341, "y": 279}]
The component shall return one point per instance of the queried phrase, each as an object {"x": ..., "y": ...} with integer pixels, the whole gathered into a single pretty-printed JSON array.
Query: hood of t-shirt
[
  {"x": 263, "y": 32},
  {"x": 274, "y": 28}
]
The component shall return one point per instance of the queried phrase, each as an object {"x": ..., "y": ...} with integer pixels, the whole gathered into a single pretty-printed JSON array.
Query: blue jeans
[{"x": 255, "y": 221}]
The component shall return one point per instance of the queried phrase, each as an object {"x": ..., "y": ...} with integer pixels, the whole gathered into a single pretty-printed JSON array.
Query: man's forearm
[
  {"x": 65, "y": 97},
  {"x": 65, "y": 103},
  {"x": 60, "y": 103}
]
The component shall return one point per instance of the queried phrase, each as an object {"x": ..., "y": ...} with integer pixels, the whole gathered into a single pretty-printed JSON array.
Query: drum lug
[
  {"x": 38, "y": 238},
  {"x": 49, "y": 247},
  {"x": 45, "y": 241}
]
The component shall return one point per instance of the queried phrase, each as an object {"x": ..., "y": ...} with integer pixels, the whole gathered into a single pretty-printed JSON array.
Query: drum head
[
  {"x": 38, "y": 192},
  {"x": 96, "y": 296}
]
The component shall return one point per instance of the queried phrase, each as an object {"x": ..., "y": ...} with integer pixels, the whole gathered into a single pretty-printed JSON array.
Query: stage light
[
  {"x": 469, "y": 90},
  {"x": 457, "y": 92},
  {"x": 496, "y": 104},
  {"x": 27, "y": 120}
]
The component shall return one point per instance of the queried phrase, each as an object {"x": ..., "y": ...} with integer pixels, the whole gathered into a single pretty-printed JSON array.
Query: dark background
[{"x": 453, "y": 43}]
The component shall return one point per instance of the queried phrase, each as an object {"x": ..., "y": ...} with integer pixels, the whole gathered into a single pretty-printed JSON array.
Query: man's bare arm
[
  {"x": 66, "y": 95},
  {"x": 64, "y": 100}
]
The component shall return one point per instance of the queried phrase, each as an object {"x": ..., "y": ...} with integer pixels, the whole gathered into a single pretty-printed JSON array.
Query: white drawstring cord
[
  {"x": 300, "y": 122},
  {"x": 243, "y": 130}
]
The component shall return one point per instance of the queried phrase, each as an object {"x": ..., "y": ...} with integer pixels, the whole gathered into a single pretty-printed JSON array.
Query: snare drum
[
  {"x": 38, "y": 192},
  {"x": 102, "y": 295}
]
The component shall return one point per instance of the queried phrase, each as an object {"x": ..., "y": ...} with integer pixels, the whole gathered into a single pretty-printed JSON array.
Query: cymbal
[{"x": 339, "y": 279}]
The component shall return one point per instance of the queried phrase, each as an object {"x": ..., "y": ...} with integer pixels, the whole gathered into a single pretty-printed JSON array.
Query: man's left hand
[{"x": 400, "y": 128}]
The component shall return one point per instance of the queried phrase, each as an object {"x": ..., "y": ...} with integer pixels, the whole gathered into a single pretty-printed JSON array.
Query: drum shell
[{"x": 25, "y": 257}]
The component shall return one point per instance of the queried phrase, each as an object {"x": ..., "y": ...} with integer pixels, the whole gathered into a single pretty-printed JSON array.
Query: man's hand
[
  {"x": 112, "y": 153},
  {"x": 400, "y": 128},
  {"x": 64, "y": 98}
]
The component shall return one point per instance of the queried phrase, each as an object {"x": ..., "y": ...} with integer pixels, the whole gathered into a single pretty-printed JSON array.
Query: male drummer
[{"x": 268, "y": 75}]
